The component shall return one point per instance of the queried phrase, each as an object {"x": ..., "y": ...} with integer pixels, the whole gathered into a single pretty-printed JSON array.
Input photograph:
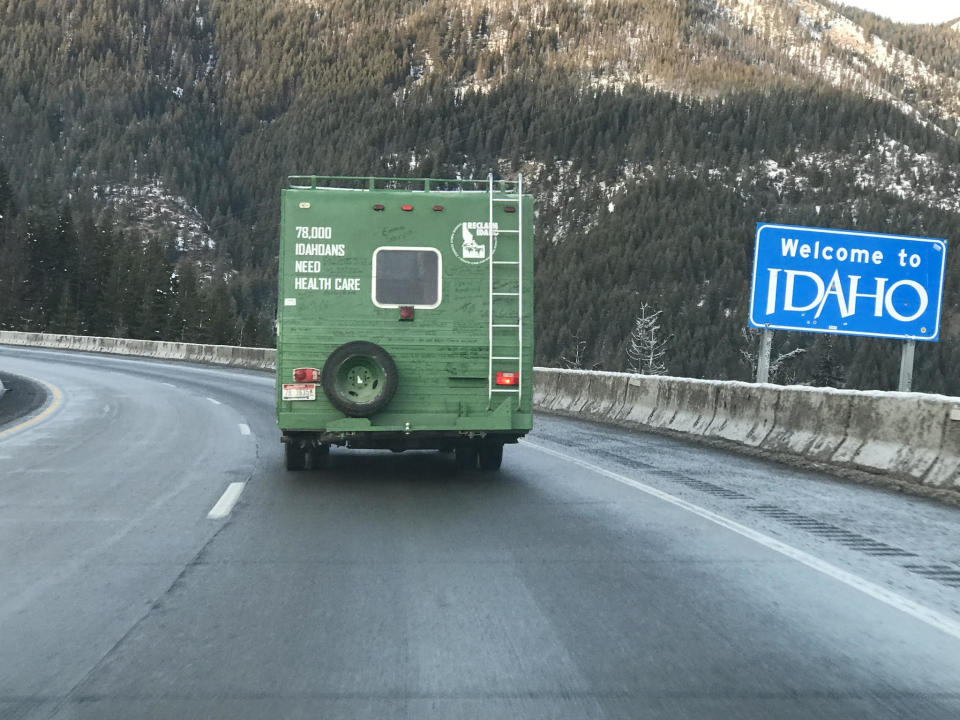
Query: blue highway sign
[{"x": 847, "y": 283}]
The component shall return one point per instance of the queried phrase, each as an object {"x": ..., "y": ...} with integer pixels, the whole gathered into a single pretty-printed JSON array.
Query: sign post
[
  {"x": 906, "y": 366},
  {"x": 848, "y": 283},
  {"x": 763, "y": 359}
]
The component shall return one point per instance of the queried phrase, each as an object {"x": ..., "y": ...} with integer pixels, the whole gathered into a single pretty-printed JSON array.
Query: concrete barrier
[
  {"x": 898, "y": 433},
  {"x": 810, "y": 422},
  {"x": 639, "y": 401},
  {"x": 912, "y": 439},
  {"x": 576, "y": 393},
  {"x": 686, "y": 406},
  {"x": 745, "y": 413},
  {"x": 228, "y": 355},
  {"x": 945, "y": 471},
  {"x": 544, "y": 386},
  {"x": 604, "y": 395},
  {"x": 569, "y": 387}
]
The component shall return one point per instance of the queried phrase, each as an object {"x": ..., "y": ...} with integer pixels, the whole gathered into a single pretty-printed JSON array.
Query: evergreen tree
[
  {"x": 829, "y": 372},
  {"x": 218, "y": 308},
  {"x": 185, "y": 314},
  {"x": 65, "y": 319},
  {"x": 154, "y": 305},
  {"x": 8, "y": 207}
]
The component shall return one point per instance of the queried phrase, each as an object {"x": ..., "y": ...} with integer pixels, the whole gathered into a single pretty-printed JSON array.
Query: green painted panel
[{"x": 329, "y": 238}]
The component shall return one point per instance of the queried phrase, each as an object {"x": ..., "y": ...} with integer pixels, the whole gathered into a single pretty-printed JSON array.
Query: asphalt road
[{"x": 599, "y": 575}]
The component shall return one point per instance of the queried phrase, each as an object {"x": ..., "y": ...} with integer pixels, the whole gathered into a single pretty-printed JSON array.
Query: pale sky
[{"x": 911, "y": 11}]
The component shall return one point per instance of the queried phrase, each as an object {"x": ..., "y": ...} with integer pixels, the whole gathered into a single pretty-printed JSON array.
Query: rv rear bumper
[{"x": 391, "y": 440}]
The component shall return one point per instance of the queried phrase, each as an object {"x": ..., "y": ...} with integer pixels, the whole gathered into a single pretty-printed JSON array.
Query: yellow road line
[{"x": 54, "y": 404}]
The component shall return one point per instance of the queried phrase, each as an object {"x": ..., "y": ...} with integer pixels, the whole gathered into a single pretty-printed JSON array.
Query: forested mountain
[{"x": 143, "y": 145}]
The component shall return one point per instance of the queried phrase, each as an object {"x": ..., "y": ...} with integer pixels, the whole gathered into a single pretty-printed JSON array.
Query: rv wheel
[
  {"x": 359, "y": 378},
  {"x": 295, "y": 456},
  {"x": 319, "y": 457},
  {"x": 491, "y": 455},
  {"x": 466, "y": 456}
]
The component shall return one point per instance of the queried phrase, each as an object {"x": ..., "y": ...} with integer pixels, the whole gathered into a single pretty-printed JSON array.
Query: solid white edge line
[
  {"x": 215, "y": 402},
  {"x": 227, "y": 501},
  {"x": 244, "y": 428},
  {"x": 924, "y": 614}
]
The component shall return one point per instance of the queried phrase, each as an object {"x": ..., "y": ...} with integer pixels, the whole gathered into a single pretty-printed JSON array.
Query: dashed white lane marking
[
  {"x": 215, "y": 402},
  {"x": 924, "y": 614},
  {"x": 244, "y": 429},
  {"x": 168, "y": 384},
  {"x": 227, "y": 501}
]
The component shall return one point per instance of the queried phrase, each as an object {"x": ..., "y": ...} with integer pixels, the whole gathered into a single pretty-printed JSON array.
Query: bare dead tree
[
  {"x": 748, "y": 354},
  {"x": 573, "y": 358},
  {"x": 647, "y": 348}
]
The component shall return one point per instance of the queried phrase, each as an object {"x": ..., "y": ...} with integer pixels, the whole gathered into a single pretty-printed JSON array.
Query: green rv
[{"x": 405, "y": 317}]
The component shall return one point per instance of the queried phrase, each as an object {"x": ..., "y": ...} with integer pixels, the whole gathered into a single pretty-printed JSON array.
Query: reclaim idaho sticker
[{"x": 470, "y": 240}]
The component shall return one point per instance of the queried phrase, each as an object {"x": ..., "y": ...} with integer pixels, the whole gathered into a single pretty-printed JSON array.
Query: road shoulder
[{"x": 23, "y": 397}]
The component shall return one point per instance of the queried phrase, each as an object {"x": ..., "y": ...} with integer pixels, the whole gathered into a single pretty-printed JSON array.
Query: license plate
[{"x": 300, "y": 391}]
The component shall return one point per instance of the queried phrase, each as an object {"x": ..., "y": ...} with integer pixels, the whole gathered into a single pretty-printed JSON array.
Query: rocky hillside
[{"x": 654, "y": 133}]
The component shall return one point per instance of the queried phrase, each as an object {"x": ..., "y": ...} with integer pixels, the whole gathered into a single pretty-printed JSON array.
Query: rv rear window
[{"x": 406, "y": 276}]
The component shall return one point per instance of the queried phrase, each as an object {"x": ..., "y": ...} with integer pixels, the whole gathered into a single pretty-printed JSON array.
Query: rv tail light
[
  {"x": 406, "y": 208},
  {"x": 509, "y": 208},
  {"x": 406, "y": 312},
  {"x": 438, "y": 208},
  {"x": 306, "y": 375},
  {"x": 507, "y": 378},
  {"x": 378, "y": 207}
]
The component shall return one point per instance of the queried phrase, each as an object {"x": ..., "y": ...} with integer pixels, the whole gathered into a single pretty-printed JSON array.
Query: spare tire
[{"x": 359, "y": 378}]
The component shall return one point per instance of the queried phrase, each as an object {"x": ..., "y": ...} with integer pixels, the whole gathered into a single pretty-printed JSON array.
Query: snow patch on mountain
[
  {"x": 576, "y": 204},
  {"x": 832, "y": 46},
  {"x": 157, "y": 213},
  {"x": 894, "y": 168},
  {"x": 887, "y": 167}
]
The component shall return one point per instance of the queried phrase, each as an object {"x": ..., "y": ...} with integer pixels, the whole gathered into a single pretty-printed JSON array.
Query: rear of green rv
[{"x": 405, "y": 316}]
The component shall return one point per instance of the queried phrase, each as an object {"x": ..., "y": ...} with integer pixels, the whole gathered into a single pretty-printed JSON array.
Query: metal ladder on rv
[{"x": 503, "y": 353}]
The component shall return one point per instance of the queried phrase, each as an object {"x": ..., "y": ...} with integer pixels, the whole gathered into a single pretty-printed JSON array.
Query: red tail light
[
  {"x": 406, "y": 208},
  {"x": 306, "y": 375},
  {"x": 378, "y": 207},
  {"x": 438, "y": 208},
  {"x": 509, "y": 208},
  {"x": 508, "y": 378}
]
